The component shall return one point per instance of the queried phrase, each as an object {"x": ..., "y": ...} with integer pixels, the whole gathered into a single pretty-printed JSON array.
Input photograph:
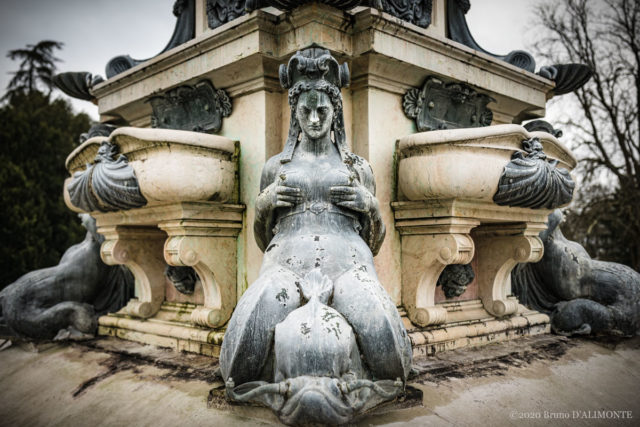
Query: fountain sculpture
[
  {"x": 316, "y": 337},
  {"x": 262, "y": 253},
  {"x": 65, "y": 301}
]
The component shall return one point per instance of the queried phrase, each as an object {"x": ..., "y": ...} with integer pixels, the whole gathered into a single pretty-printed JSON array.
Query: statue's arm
[
  {"x": 360, "y": 197},
  {"x": 373, "y": 229},
  {"x": 266, "y": 204}
]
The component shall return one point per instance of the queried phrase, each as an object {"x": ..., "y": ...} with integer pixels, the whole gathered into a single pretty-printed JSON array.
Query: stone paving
[{"x": 527, "y": 382}]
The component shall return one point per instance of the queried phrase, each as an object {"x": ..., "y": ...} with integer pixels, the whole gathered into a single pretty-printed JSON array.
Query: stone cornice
[
  {"x": 209, "y": 40},
  {"x": 385, "y": 53},
  {"x": 369, "y": 23}
]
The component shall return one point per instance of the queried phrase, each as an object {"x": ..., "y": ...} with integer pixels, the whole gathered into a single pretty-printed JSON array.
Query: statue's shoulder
[
  {"x": 273, "y": 164},
  {"x": 362, "y": 167},
  {"x": 270, "y": 170},
  {"x": 358, "y": 162}
]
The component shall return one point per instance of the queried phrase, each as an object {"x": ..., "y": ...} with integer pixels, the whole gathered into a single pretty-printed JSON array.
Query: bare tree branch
[{"x": 604, "y": 36}]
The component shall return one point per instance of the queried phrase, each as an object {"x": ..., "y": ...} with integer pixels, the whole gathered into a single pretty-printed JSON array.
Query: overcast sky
[{"x": 95, "y": 31}]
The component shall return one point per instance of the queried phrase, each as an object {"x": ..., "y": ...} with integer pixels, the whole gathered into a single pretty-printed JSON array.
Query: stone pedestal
[
  {"x": 446, "y": 184},
  {"x": 437, "y": 233},
  {"x": 176, "y": 205},
  {"x": 201, "y": 235},
  {"x": 387, "y": 57}
]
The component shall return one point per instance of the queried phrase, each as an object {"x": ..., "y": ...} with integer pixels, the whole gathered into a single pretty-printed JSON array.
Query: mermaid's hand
[
  {"x": 354, "y": 197},
  {"x": 287, "y": 196}
]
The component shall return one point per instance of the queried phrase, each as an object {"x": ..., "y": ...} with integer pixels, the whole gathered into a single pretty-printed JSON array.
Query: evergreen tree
[
  {"x": 36, "y": 227},
  {"x": 37, "y": 67}
]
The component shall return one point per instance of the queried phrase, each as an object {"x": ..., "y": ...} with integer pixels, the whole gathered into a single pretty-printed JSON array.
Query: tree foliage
[
  {"x": 37, "y": 67},
  {"x": 603, "y": 122},
  {"x": 36, "y": 227}
]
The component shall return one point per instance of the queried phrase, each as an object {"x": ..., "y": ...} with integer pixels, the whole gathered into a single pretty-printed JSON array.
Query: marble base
[
  {"x": 202, "y": 235},
  {"x": 472, "y": 326},
  {"x": 171, "y": 327}
]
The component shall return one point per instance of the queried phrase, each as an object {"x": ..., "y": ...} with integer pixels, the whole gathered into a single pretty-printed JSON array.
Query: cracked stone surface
[{"x": 108, "y": 382}]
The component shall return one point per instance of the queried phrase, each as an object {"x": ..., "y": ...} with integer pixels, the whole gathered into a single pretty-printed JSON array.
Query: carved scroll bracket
[
  {"x": 140, "y": 249},
  {"x": 428, "y": 246},
  {"x": 210, "y": 248},
  {"x": 500, "y": 248}
]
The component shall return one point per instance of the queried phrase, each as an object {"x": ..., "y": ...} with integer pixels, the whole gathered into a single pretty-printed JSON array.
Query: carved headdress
[{"x": 315, "y": 68}]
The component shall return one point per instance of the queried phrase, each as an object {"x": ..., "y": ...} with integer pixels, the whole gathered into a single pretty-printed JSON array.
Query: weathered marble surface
[
  {"x": 162, "y": 165},
  {"x": 431, "y": 161},
  {"x": 316, "y": 337},
  {"x": 582, "y": 295},
  {"x": 67, "y": 299}
]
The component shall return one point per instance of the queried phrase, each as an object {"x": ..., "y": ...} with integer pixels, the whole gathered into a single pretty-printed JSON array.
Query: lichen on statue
[{"x": 299, "y": 336}]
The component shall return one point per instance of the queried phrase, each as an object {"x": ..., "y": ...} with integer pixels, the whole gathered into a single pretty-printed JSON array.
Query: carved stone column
[
  {"x": 500, "y": 247},
  {"x": 428, "y": 246},
  {"x": 140, "y": 249},
  {"x": 209, "y": 247}
]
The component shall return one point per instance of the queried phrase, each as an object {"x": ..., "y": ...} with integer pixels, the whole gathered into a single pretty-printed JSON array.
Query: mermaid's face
[{"x": 314, "y": 113}]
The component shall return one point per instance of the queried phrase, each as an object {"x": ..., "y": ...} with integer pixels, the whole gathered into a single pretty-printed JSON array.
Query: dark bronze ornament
[
  {"x": 455, "y": 278},
  {"x": 183, "y": 278},
  {"x": 198, "y": 108},
  {"x": 440, "y": 105},
  {"x": 459, "y": 31},
  {"x": 567, "y": 77},
  {"x": 99, "y": 129},
  {"x": 222, "y": 11},
  {"x": 417, "y": 12},
  {"x": 542, "y": 126},
  {"x": 109, "y": 184},
  {"x": 77, "y": 84},
  {"x": 530, "y": 181},
  {"x": 185, "y": 30}
]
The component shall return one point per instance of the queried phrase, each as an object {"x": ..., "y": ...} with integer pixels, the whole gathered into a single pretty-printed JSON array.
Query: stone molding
[
  {"x": 258, "y": 40},
  {"x": 201, "y": 235},
  {"x": 500, "y": 248},
  {"x": 428, "y": 246},
  {"x": 140, "y": 250},
  {"x": 437, "y": 233}
]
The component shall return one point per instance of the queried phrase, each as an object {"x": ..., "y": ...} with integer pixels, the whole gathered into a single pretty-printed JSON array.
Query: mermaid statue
[{"x": 315, "y": 337}]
